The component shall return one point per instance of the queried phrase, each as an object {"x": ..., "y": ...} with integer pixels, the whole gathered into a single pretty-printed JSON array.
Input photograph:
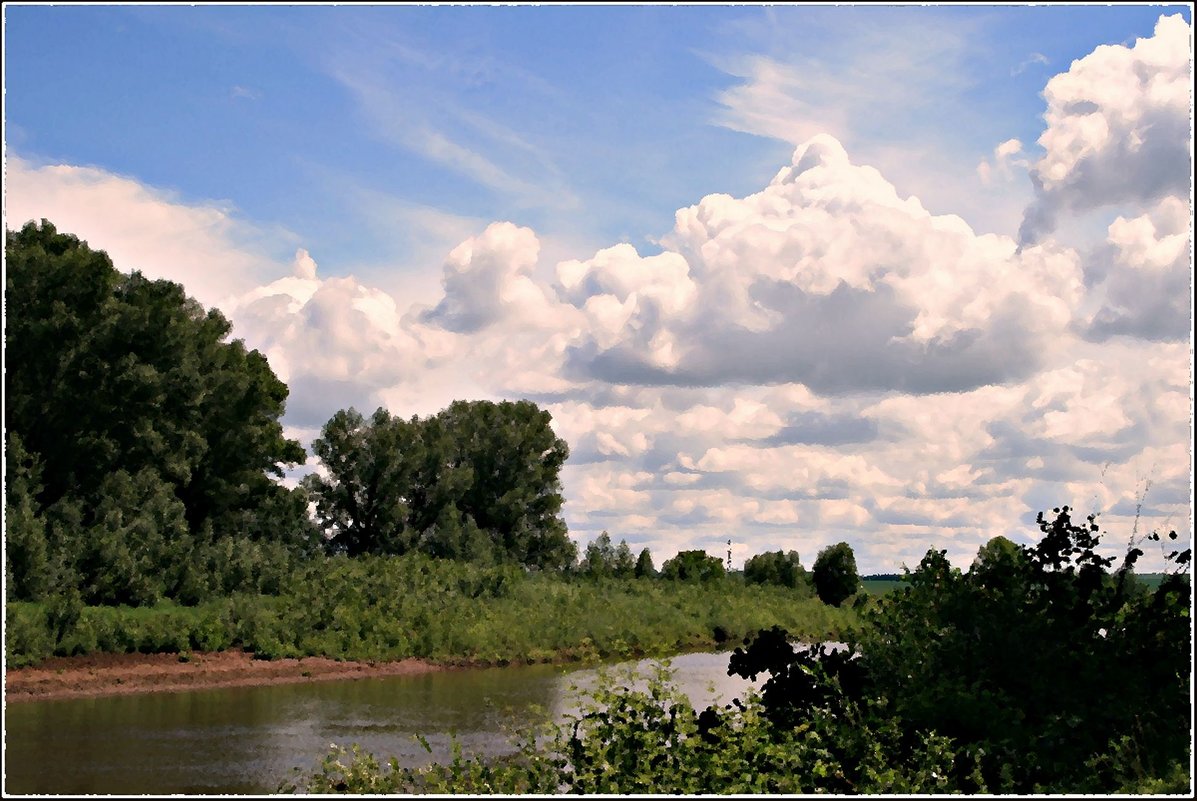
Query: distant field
[
  {"x": 880, "y": 586},
  {"x": 877, "y": 585}
]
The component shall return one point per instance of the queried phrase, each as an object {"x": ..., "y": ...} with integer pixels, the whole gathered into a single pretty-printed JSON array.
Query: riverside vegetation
[
  {"x": 1036, "y": 671},
  {"x": 144, "y": 512}
]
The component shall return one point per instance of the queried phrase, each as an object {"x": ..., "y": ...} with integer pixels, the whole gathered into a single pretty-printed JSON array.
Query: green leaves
[
  {"x": 835, "y": 575},
  {"x": 146, "y": 424},
  {"x": 477, "y": 481},
  {"x": 693, "y": 566}
]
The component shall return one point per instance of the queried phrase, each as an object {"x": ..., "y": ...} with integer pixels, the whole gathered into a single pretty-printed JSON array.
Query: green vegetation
[
  {"x": 1037, "y": 671},
  {"x": 693, "y": 566},
  {"x": 478, "y": 481},
  {"x": 782, "y": 569},
  {"x": 416, "y": 606},
  {"x": 835, "y": 574},
  {"x": 140, "y": 443}
]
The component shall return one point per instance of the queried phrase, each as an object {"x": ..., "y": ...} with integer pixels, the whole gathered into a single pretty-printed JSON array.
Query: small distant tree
[
  {"x": 693, "y": 566},
  {"x": 625, "y": 564},
  {"x": 644, "y": 565},
  {"x": 775, "y": 567},
  {"x": 598, "y": 560},
  {"x": 835, "y": 574}
]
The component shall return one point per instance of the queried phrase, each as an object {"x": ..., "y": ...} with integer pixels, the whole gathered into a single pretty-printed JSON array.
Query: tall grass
[{"x": 382, "y": 608}]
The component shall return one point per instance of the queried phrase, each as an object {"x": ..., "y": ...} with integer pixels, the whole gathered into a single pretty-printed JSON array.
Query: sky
[{"x": 897, "y": 276}]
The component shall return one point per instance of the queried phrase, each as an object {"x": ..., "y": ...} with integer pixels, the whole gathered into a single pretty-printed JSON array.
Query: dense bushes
[
  {"x": 1044, "y": 671},
  {"x": 396, "y": 607},
  {"x": 1036, "y": 671}
]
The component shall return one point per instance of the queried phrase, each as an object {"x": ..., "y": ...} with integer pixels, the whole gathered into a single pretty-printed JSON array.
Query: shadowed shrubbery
[{"x": 1036, "y": 671}]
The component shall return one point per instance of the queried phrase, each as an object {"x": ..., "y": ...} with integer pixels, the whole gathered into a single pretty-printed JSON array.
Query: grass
[{"x": 386, "y": 608}]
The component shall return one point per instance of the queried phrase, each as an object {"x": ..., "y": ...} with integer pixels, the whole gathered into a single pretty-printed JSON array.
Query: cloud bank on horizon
[{"x": 819, "y": 359}]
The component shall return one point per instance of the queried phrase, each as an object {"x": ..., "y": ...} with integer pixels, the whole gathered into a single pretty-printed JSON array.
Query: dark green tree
[
  {"x": 775, "y": 567},
  {"x": 598, "y": 560},
  {"x": 109, "y": 372},
  {"x": 835, "y": 575},
  {"x": 478, "y": 481},
  {"x": 644, "y": 565},
  {"x": 373, "y": 467},
  {"x": 693, "y": 566},
  {"x": 625, "y": 563},
  {"x": 136, "y": 409},
  {"x": 514, "y": 493}
]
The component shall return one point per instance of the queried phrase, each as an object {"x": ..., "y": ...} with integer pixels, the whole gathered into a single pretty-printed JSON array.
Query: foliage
[
  {"x": 834, "y": 574},
  {"x": 636, "y": 734},
  {"x": 417, "y": 606},
  {"x": 693, "y": 566},
  {"x": 644, "y": 565},
  {"x": 776, "y": 567},
  {"x": 1044, "y": 670},
  {"x": 135, "y": 430},
  {"x": 477, "y": 481},
  {"x": 603, "y": 560}
]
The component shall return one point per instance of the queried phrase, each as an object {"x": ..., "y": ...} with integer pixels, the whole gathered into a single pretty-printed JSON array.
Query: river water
[{"x": 248, "y": 740}]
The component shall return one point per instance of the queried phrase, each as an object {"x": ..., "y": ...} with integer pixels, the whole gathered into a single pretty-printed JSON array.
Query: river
[{"x": 248, "y": 740}]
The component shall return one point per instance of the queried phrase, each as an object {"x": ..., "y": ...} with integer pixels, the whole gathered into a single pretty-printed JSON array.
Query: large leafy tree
[
  {"x": 775, "y": 567},
  {"x": 835, "y": 575},
  {"x": 693, "y": 566},
  {"x": 479, "y": 481},
  {"x": 125, "y": 392}
]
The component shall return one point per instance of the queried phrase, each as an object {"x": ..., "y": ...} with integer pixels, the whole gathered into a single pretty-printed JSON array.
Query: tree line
[{"x": 144, "y": 452}]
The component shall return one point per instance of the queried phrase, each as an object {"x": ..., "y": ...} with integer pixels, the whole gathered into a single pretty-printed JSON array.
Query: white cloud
[
  {"x": 204, "y": 246},
  {"x": 1142, "y": 276},
  {"x": 820, "y": 360},
  {"x": 1118, "y": 129},
  {"x": 828, "y": 277}
]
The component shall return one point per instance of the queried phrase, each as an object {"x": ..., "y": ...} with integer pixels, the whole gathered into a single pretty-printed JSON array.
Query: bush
[
  {"x": 693, "y": 566},
  {"x": 835, "y": 576}
]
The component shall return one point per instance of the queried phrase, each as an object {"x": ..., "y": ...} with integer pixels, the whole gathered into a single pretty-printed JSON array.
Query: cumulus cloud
[
  {"x": 820, "y": 360},
  {"x": 829, "y": 278},
  {"x": 1142, "y": 276},
  {"x": 1118, "y": 129},
  {"x": 1003, "y": 158}
]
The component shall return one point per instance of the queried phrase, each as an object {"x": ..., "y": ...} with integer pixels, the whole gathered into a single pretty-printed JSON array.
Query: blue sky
[{"x": 215, "y": 144}]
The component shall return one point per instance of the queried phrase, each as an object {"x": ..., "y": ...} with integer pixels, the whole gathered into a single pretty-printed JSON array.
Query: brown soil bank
[{"x": 118, "y": 674}]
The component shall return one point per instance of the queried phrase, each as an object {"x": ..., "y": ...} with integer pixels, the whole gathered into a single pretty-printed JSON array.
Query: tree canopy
[
  {"x": 478, "y": 480},
  {"x": 835, "y": 575},
  {"x": 693, "y": 566},
  {"x": 775, "y": 567},
  {"x": 133, "y": 418}
]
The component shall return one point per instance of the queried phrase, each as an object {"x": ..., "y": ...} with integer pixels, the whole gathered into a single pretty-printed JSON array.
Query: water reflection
[{"x": 247, "y": 740}]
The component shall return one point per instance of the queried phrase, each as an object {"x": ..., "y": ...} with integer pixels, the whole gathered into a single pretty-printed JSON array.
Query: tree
[
  {"x": 116, "y": 383},
  {"x": 693, "y": 566},
  {"x": 835, "y": 574},
  {"x": 372, "y": 471},
  {"x": 478, "y": 480},
  {"x": 644, "y": 565},
  {"x": 775, "y": 567},
  {"x": 1045, "y": 672},
  {"x": 598, "y": 560},
  {"x": 625, "y": 564}
]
